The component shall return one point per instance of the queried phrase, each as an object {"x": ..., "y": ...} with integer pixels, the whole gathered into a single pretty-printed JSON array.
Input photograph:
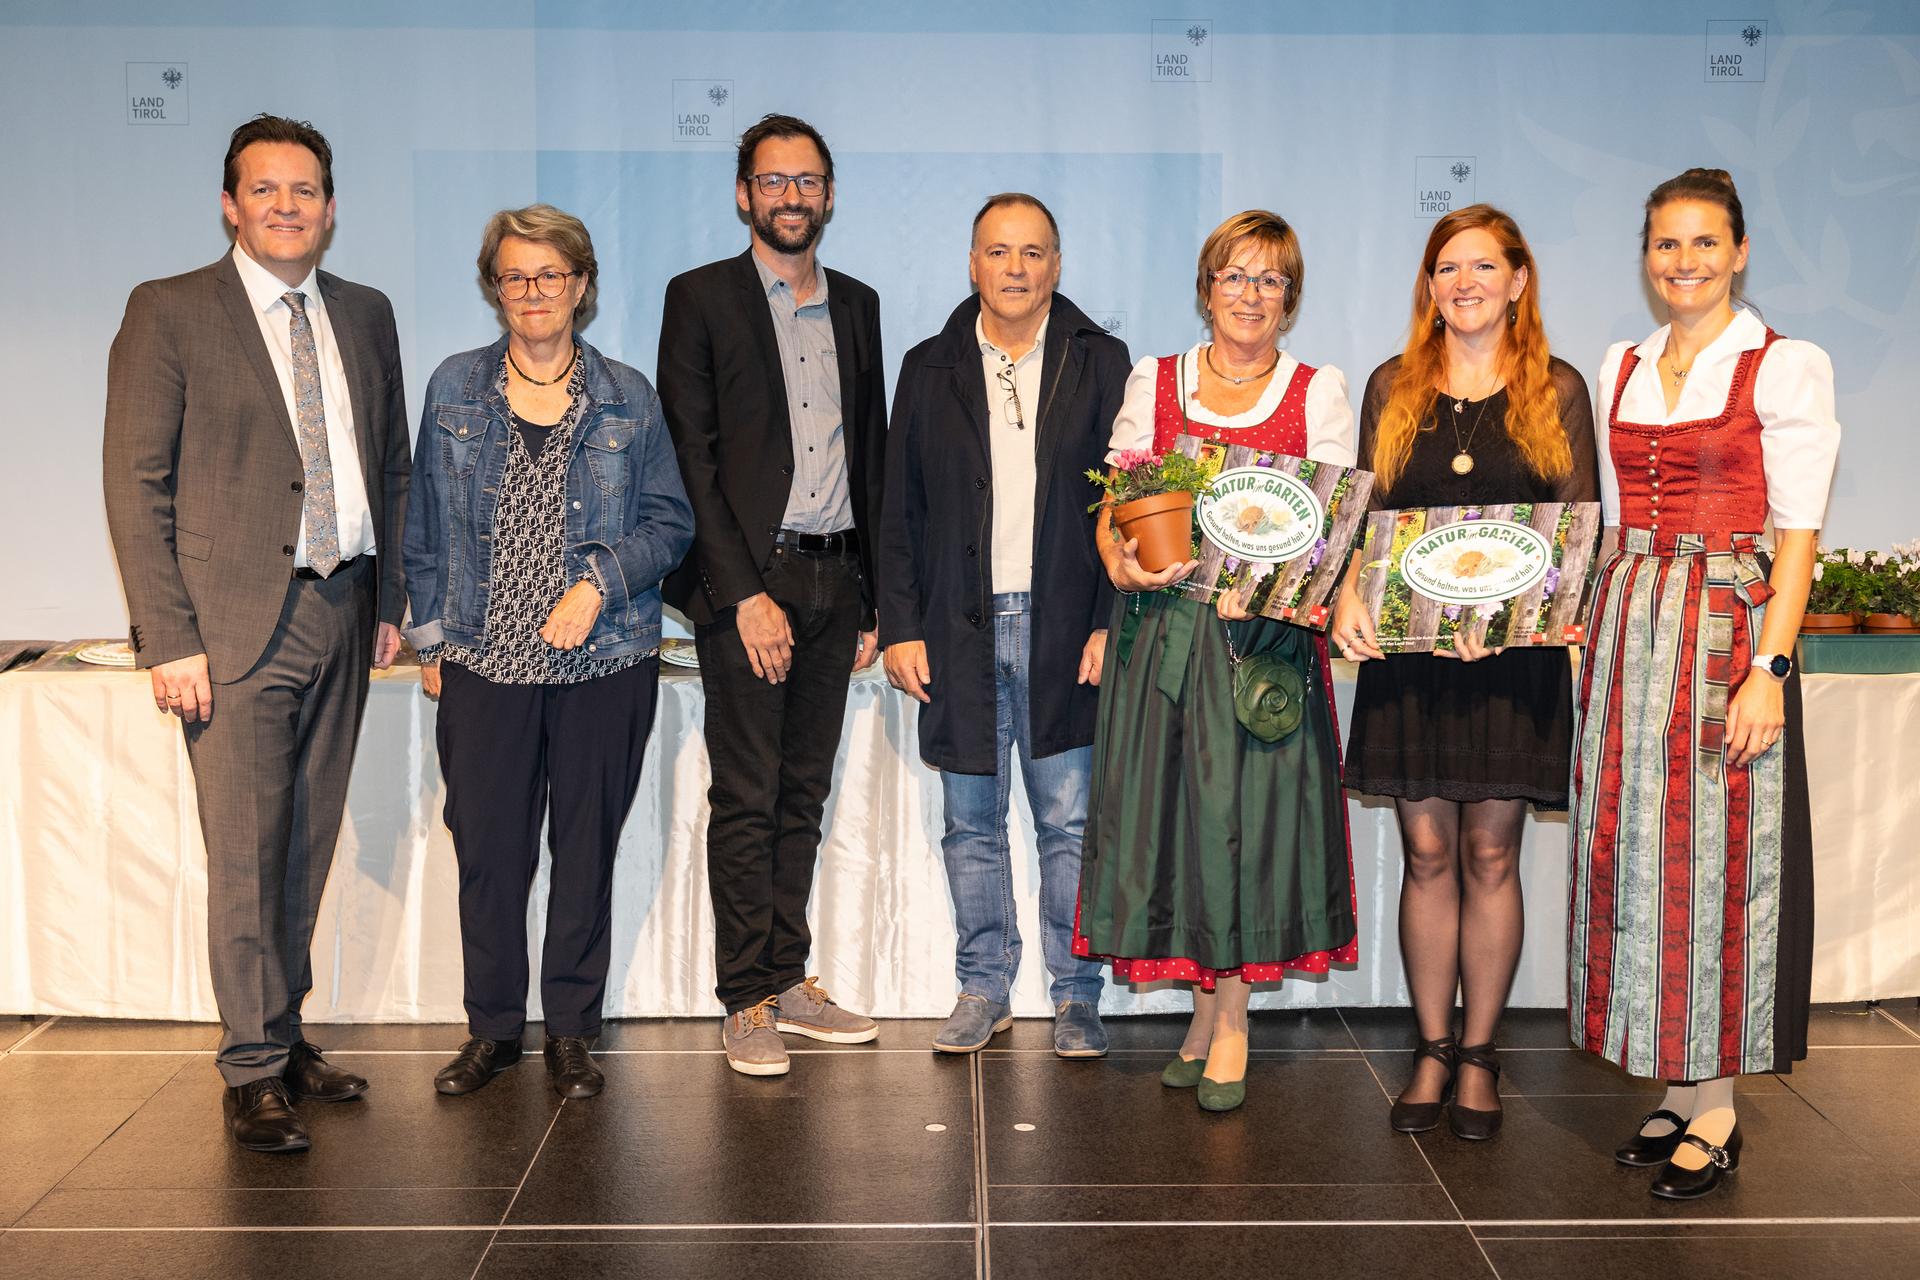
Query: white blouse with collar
[
  {"x": 1330, "y": 428},
  {"x": 1792, "y": 394}
]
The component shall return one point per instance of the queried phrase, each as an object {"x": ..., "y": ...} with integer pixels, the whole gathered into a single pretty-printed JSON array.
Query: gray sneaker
[
  {"x": 753, "y": 1047},
  {"x": 806, "y": 1009},
  {"x": 974, "y": 1021},
  {"x": 1077, "y": 1032}
]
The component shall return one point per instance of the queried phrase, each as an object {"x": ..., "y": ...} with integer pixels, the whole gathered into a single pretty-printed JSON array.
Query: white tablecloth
[{"x": 102, "y": 880}]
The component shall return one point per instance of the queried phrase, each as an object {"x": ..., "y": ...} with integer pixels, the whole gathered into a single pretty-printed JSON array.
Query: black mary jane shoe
[
  {"x": 1467, "y": 1122},
  {"x": 1643, "y": 1151},
  {"x": 478, "y": 1061},
  {"x": 311, "y": 1078},
  {"x": 571, "y": 1068},
  {"x": 1420, "y": 1117},
  {"x": 1675, "y": 1183}
]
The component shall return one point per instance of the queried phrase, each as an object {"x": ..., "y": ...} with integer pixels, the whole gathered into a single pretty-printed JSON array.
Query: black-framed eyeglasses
[
  {"x": 551, "y": 284},
  {"x": 1010, "y": 407},
  {"x": 775, "y": 184},
  {"x": 1232, "y": 282}
]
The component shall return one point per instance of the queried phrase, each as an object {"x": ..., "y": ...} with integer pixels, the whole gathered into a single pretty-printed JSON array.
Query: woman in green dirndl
[{"x": 1213, "y": 856}]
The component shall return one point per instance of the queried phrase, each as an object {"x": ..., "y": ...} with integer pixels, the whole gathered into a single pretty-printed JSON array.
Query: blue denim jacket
[{"x": 628, "y": 522}]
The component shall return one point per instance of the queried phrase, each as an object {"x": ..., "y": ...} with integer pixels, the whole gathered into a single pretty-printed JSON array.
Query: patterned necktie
[{"x": 316, "y": 503}]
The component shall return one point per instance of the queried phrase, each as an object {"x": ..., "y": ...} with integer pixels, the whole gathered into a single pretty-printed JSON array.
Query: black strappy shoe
[
  {"x": 1675, "y": 1183},
  {"x": 1466, "y": 1122},
  {"x": 1419, "y": 1117},
  {"x": 1643, "y": 1151}
]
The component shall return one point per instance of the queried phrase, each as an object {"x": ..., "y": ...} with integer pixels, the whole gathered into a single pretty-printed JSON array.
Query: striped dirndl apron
[{"x": 1689, "y": 936}]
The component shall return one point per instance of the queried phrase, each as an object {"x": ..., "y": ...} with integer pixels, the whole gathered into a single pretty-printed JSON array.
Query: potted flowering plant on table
[
  {"x": 1839, "y": 594},
  {"x": 1150, "y": 496},
  {"x": 1892, "y": 602}
]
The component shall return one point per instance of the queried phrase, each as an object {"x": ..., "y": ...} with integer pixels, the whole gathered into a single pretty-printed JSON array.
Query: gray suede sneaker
[
  {"x": 974, "y": 1021},
  {"x": 806, "y": 1009},
  {"x": 753, "y": 1047},
  {"x": 1077, "y": 1032}
]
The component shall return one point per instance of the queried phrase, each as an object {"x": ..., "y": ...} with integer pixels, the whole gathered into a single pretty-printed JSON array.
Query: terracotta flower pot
[
  {"x": 1828, "y": 624},
  {"x": 1890, "y": 624},
  {"x": 1164, "y": 526}
]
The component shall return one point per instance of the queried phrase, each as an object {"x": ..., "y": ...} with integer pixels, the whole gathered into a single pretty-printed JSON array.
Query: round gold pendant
[{"x": 1462, "y": 463}]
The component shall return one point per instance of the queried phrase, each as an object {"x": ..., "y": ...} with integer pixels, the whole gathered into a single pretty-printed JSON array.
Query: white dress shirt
[
  {"x": 1330, "y": 430},
  {"x": 352, "y": 515},
  {"x": 1011, "y": 450},
  {"x": 1792, "y": 394}
]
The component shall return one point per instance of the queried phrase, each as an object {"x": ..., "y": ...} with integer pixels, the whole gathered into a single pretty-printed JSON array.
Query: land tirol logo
[
  {"x": 1261, "y": 513},
  {"x": 157, "y": 93},
  {"x": 1442, "y": 184},
  {"x": 703, "y": 111},
  {"x": 1476, "y": 562},
  {"x": 1736, "y": 50},
  {"x": 1181, "y": 50}
]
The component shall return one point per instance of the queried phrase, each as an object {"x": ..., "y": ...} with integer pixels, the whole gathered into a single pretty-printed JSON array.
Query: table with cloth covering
[{"x": 102, "y": 875}]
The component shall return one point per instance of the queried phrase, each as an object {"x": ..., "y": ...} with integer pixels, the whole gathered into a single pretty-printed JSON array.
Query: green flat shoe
[
  {"x": 1183, "y": 1073},
  {"x": 1214, "y": 1096}
]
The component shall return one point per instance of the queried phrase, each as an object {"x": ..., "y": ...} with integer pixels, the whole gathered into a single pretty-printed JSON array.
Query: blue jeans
[{"x": 979, "y": 861}]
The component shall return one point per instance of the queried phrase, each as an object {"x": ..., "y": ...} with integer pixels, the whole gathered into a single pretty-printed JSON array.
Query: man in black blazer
[
  {"x": 770, "y": 376},
  {"x": 994, "y": 604},
  {"x": 256, "y": 461}
]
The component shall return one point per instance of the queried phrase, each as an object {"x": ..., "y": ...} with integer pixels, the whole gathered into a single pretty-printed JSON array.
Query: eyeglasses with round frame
[
  {"x": 1232, "y": 282},
  {"x": 551, "y": 284},
  {"x": 775, "y": 184}
]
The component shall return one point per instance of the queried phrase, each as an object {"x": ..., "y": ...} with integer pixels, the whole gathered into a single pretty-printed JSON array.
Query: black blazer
[
  {"x": 935, "y": 562},
  {"x": 726, "y": 404}
]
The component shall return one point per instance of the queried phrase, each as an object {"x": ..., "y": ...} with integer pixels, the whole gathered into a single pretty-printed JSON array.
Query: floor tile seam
[
  {"x": 14, "y": 1048},
  {"x": 133, "y": 1111},
  {"x": 982, "y": 1187},
  {"x": 1438, "y": 1180},
  {"x": 1123, "y": 1186},
  {"x": 527, "y": 1172},
  {"x": 509, "y": 1228},
  {"x": 1895, "y": 1021}
]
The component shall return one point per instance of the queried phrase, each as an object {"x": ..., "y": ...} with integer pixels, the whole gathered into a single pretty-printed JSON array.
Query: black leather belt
[
  {"x": 312, "y": 575},
  {"x": 844, "y": 543}
]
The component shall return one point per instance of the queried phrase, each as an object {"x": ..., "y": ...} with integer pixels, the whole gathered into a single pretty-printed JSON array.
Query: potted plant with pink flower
[{"x": 1150, "y": 497}]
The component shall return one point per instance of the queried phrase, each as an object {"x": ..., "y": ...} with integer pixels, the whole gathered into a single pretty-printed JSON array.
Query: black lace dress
[{"x": 1501, "y": 728}]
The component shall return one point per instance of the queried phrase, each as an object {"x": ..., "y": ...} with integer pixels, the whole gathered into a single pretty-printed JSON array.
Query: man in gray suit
[{"x": 256, "y": 461}]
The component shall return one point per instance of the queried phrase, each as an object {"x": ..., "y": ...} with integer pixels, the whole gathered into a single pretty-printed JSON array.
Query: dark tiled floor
[{"x": 887, "y": 1160}]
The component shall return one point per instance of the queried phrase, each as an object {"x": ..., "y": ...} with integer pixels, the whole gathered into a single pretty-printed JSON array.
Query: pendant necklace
[
  {"x": 1673, "y": 367},
  {"x": 1463, "y": 457},
  {"x": 1240, "y": 382}
]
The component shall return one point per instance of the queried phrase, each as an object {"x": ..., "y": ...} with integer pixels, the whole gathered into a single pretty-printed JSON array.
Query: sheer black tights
[{"x": 1461, "y": 926}]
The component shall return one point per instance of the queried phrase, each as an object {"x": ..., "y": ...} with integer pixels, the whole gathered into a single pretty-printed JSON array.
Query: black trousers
[
  {"x": 513, "y": 754},
  {"x": 772, "y": 748},
  {"x": 270, "y": 770}
]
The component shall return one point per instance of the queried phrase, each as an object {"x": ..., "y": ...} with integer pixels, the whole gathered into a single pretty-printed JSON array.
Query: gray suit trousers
[{"x": 271, "y": 769}]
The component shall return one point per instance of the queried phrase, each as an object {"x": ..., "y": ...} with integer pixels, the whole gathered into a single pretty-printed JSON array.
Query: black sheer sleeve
[
  {"x": 1582, "y": 484},
  {"x": 1372, "y": 405}
]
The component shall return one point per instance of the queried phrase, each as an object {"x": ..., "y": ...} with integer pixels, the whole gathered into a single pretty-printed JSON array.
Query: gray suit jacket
[{"x": 203, "y": 472}]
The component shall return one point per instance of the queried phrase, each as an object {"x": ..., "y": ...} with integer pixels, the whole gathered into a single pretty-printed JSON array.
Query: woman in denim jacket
[{"x": 546, "y": 509}]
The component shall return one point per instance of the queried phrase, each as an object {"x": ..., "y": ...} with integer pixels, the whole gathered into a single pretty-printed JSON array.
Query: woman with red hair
[{"x": 1474, "y": 412}]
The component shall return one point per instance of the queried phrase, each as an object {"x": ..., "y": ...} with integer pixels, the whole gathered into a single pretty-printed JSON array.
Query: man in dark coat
[{"x": 993, "y": 603}]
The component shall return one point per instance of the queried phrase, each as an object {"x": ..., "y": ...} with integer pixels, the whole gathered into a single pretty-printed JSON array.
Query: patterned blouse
[{"x": 529, "y": 573}]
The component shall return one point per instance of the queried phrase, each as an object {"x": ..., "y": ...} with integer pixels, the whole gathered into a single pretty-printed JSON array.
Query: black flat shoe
[
  {"x": 571, "y": 1068},
  {"x": 312, "y": 1078},
  {"x": 1419, "y": 1117},
  {"x": 1467, "y": 1122},
  {"x": 479, "y": 1061},
  {"x": 260, "y": 1117},
  {"x": 1644, "y": 1152},
  {"x": 1675, "y": 1183}
]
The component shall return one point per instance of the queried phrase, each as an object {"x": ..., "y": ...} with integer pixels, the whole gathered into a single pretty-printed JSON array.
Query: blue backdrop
[{"x": 1141, "y": 127}]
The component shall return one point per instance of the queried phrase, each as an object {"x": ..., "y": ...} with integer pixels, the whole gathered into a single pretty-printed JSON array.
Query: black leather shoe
[
  {"x": 1643, "y": 1152},
  {"x": 571, "y": 1068},
  {"x": 312, "y": 1078},
  {"x": 1675, "y": 1183},
  {"x": 260, "y": 1117},
  {"x": 479, "y": 1061},
  {"x": 1419, "y": 1117},
  {"x": 1468, "y": 1122}
]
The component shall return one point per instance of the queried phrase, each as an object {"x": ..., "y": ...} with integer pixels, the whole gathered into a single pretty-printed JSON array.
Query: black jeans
[
  {"x": 513, "y": 754},
  {"x": 772, "y": 748}
]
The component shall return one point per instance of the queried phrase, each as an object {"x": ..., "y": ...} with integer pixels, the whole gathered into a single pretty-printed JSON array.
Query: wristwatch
[{"x": 1777, "y": 665}]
